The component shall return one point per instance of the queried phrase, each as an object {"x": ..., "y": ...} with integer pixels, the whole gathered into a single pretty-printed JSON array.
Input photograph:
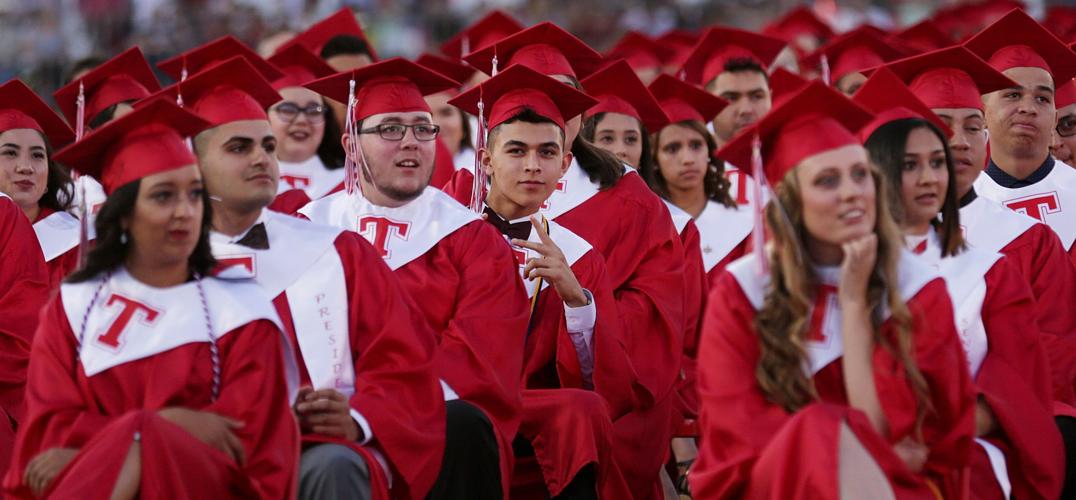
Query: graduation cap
[
  {"x": 619, "y": 90},
  {"x": 853, "y": 52},
  {"x": 640, "y": 51},
  {"x": 392, "y": 85},
  {"x": 678, "y": 43},
  {"x": 545, "y": 48},
  {"x": 1018, "y": 41},
  {"x": 20, "y": 107},
  {"x": 924, "y": 36},
  {"x": 952, "y": 78},
  {"x": 784, "y": 84},
  {"x": 490, "y": 29},
  {"x": 1061, "y": 21},
  {"x": 814, "y": 120},
  {"x": 720, "y": 45},
  {"x": 299, "y": 66},
  {"x": 451, "y": 68},
  {"x": 1065, "y": 94},
  {"x": 682, "y": 101},
  {"x": 520, "y": 88},
  {"x": 230, "y": 91},
  {"x": 798, "y": 22},
  {"x": 199, "y": 58},
  {"x": 341, "y": 22},
  {"x": 149, "y": 140},
  {"x": 885, "y": 95},
  {"x": 126, "y": 77}
]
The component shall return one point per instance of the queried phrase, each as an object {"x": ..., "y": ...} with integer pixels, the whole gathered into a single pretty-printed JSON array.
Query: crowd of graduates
[{"x": 722, "y": 264}]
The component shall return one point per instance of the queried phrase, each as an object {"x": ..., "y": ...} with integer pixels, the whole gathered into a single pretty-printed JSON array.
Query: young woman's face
[
  {"x": 166, "y": 221},
  {"x": 682, "y": 158},
  {"x": 838, "y": 195},
  {"x": 298, "y": 124},
  {"x": 449, "y": 118},
  {"x": 924, "y": 177},
  {"x": 621, "y": 135},
  {"x": 24, "y": 166}
]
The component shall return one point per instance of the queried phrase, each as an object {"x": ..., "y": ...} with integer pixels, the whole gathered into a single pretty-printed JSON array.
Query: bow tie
[
  {"x": 256, "y": 238},
  {"x": 519, "y": 230}
]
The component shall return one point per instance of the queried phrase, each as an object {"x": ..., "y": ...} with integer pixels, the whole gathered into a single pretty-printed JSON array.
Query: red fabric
[
  {"x": 396, "y": 386},
  {"x": 745, "y": 452},
  {"x": 1014, "y": 379},
  {"x": 468, "y": 289},
  {"x": 64, "y": 408},
  {"x": 1042, "y": 261},
  {"x": 459, "y": 186},
  {"x": 289, "y": 202},
  {"x": 695, "y": 290},
  {"x": 443, "y": 165}
]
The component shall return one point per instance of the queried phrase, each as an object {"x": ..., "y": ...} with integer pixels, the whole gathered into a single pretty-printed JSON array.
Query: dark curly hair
[{"x": 714, "y": 182}]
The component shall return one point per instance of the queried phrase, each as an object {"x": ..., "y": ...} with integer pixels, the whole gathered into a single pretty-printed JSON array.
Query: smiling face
[
  {"x": 24, "y": 167},
  {"x": 967, "y": 144},
  {"x": 524, "y": 162},
  {"x": 238, "y": 160},
  {"x": 838, "y": 197},
  {"x": 1021, "y": 119},
  {"x": 166, "y": 221},
  {"x": 748, "y": 95},
  {"x": 682, "y": 158},
  {"x": 924, "y": 179},
  {"x": 298, "y": 136},
  {"x": 621, "y": 135},
  {"x": 396, "y": 171}
]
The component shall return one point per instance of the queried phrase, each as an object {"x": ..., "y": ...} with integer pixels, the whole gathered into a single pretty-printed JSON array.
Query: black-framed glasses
[
  {"x": 396, "y": 131},
  {"x": 1066, "y": 126},
  {"x": 289, "y": 111}
]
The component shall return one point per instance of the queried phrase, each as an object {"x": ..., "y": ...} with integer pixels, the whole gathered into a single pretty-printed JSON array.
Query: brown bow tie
[
  {"x": 519, "y": 230},
  {"x": 256, "y": 238}
]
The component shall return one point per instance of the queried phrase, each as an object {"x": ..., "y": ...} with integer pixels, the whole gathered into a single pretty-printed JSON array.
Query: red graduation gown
[
  {"x": 752, "y": 448},
  {"x": 696, "y": 288},
  {"x": 100, "y": 414}
]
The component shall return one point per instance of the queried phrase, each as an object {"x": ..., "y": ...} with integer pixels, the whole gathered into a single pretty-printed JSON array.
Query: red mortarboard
[
  {"x": 148, "y": 140},
  {"x": 299, "y": 66},
  {"x": 924, "y": 37},
  {"x": 518, "y": 88},
  {"x": 126, "y": 77},
  {"x": 678, "y": 44},
  {"x": 341, "y": 22},
  {"x": 682, "y": 101},
  {"x": 490, "y": 29},
  {"x": 854, "y": 51},
  {"x": 885, "y": 95},
  {"x": 1018, "y": 41},
  {"x": 451, "y": 68},
  {"x": 545, "y": 48},
  {"x": 953, "y": 77},
  {"x": 720, "y": 45},
  {"x": 1061, "y": 21},
  {"x": 815, "y": 120},
  {"x": 619, "y": 90},
  {"x": 1065, "y": 94},
  {"x": 392, "y": 85},
  {"x": 784, "y": 84},
  {"x": 225, "y": 47},
  {"x": 640, "y": 51},
  {"x": 796, "y": 22},
  {"x": 228, "y": 92},
  {"x": 20, "y": 107}
]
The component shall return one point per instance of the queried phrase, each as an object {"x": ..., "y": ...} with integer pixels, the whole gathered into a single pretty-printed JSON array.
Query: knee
[
  {"x": 333, "y": 460},
  {"x": 465, "y": 421}
]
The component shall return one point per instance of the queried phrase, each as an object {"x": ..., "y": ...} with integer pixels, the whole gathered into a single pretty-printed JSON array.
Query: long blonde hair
[{"x": 784, "y": 318}]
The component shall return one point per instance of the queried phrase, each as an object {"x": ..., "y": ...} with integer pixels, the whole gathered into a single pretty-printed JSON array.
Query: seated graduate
[
  {"x": 147, "y": 376},
  {"x": 829, "y": 366}
]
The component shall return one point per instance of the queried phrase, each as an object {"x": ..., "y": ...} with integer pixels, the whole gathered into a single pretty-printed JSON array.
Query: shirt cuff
[
  {"x": 367, "y": 433},
  {"x": 447, "y": 391},
  {"x": 582, "y": 319}
]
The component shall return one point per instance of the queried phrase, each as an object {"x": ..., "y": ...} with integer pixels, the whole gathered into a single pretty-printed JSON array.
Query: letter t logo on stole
[
  {"x": 377, "y": 230},
  {"x": 131, "y": 307},
  {"x": 1036, "y": 206}
]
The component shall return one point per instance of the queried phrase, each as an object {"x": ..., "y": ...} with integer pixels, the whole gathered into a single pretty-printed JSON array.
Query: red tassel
[
  {"x": 351, "y": 169},
  {"x": 478, "y": 188}
]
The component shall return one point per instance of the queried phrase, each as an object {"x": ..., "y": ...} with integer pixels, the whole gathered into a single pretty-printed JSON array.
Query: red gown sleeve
[
  {"x": 289, "y": 202},
  {"x": 695, "y": 291},
  {"x": 396, "y": 387},
  {"x": 459, "y": 186}
]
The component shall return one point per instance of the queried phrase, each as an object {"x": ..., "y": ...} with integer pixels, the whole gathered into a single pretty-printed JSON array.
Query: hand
[
  {"x": 985, "y": 422},
  {"x": 327, "y": 412},
  {"x": 215, "y": 430},
  {"x": 913, "y": 453},
  {"x": 856, "y": 268},
  {"x": 45, "y": 467},
  {"x": 552, "y": 267}
]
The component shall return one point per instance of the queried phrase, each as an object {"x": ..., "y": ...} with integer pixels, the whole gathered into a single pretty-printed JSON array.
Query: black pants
[
  {"x": 471, "y": 468},
  {"x": 584, "y": 486},
  {"x": 1067, "y": 426}
]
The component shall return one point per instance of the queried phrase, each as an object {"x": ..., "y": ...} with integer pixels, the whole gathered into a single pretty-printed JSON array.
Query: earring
[{"x": 123, "y": 238}]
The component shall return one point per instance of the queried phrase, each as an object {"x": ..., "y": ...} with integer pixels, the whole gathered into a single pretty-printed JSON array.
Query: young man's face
[
  {"x": 524, "y": 161},
  {"x": 238, "y": 162},
  {"x": 398, "y": 169},
  {"x": 748, "y": 94},
  {"x": 1021, "y": 119}
]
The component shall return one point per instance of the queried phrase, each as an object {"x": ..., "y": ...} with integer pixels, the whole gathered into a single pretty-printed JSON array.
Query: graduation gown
[
  {"x": 567, "y": 413},
  {"x": 753, "y": 448},
  {"x": 695, "y": 290},
  {"x": 1036, "y": 252},
  {"x": 144, "y": 349},
  {"x": 58, "y": 233},
  {"x": 1008, "y": 365},
  {"x": 462, "y": 277},
  {"x": 332, "y": 291}
]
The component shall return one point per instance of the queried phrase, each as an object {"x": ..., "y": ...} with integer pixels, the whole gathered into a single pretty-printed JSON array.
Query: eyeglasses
[
  {"x": 396, "y": 131},
  {"x": 1066, "y": 126},
  {"x": 289, "y": 111}
]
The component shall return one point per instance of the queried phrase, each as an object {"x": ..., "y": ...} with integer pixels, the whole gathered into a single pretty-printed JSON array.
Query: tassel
[
  {"x": 81, "y": 208},
  {"x": 758, "y": 233},
  {"x": 825, "y": 70},
  {"x": 351, "y": 170},
  {"x": 80, "y": 115},
  {"x": 465, "y": 46},
  {"x": 478, "y": 188},
  {"x": 494, "y": 71}
]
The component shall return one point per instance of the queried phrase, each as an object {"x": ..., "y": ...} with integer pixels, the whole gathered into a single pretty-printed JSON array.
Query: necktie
[
  {"x": 519, "y": 230},
  {"x": 256, "y": 238}
]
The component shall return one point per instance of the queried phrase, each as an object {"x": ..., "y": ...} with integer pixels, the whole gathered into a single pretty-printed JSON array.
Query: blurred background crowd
[{"x": 42, "y": 39}]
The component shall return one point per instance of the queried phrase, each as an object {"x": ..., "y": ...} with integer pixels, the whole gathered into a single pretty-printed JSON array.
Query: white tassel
[
  {"x": 351, "y": 174},
  {"x": 758, "y": 233},
  {"x": 478, "y": 188},
  {"x": 825, "y": 70},
  {"x": 80, "y": 115}
]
